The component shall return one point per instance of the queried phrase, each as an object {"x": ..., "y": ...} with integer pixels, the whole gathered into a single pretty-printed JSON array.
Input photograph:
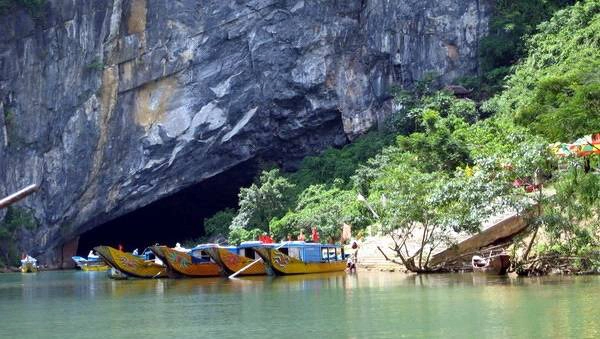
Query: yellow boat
[
  {"x": 182, "y": 263},
  {"x": 299, "y": 257},
  {"x": 93, "y": 263},
  {"x": 29, "y": 265},
  {"x": 94, "y": 268},
  {"x": 132, "y": 265},
  {"x": 234, "y": 258}
]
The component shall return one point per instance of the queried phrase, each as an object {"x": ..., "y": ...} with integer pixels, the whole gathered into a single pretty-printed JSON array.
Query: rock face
[{"x": 112, "y": 104}]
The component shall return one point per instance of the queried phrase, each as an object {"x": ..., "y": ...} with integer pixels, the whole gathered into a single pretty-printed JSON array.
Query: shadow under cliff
[{"x": 173, "y": 219}]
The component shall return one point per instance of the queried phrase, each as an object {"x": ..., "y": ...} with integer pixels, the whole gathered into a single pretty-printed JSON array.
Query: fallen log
[
  {"x": 13, "y": 198},
  {"x": 502, "y": 231}
]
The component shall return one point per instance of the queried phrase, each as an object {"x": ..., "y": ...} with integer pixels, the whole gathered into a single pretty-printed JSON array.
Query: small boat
[
  {"x": 234, "y": 258},
  {"x": 138, "y": 266},
  {"x": 181, "y": 262},
  {"x": 29, "y": 264},
  {"x": 493, "y": 264},
  {"x": 299, "y": 257},
  {"x": 93, "y": 263}
]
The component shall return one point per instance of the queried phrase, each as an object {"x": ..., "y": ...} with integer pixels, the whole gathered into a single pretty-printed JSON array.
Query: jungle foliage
[
  {"x": 444, "y": 164},
  {"x": 512, "y": 23},
  {"x": 555, "y": 90},
  {"x": 16, "y": 220}
]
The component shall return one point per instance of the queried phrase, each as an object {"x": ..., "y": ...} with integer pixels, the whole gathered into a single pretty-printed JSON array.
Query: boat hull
[
  {"x": 497, "y": 265},
  {"x": 282, "y": 264},
  {"x": 130, "y": 264},
  {"x": 232, "y": 263},
  {"x": 94, "y": 268},
  {"x": 29, "y": 268},
  {"x": 183, "y": 264}
]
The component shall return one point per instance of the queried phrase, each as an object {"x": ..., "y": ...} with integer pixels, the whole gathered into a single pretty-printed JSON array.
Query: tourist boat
[
  {"x": 93, "y": 263},
  {"x": 132, "y": 265},
  {"x": 494, "y": 264},
  {"x": 299, "y": 257},
  {"x": 29, "y": 264},
  {"x": 181, "y": 262},
  {"x": 235, "y": 258}
]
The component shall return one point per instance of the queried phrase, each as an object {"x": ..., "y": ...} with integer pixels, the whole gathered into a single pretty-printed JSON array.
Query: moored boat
[
  {"x": 132, "y": 265},
  {"x": 183, "y": 263},
  {"x": 299, "y": 257},
  {"x": 93, "y": 263},
  {"x": 494, "y": 264},
  {"x": 235, "y": 258},
  {"x": 29, "y": 264}
]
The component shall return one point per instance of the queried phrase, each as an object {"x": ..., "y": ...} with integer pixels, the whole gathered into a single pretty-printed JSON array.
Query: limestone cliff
[{"x": 112, "y": 104}]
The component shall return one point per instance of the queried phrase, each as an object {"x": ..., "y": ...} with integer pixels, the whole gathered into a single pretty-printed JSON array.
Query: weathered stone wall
[{"x": 111, "y": 104}]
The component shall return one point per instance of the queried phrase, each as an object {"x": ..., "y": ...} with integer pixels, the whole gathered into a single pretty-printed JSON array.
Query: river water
[{"x": 75, "y": 304}]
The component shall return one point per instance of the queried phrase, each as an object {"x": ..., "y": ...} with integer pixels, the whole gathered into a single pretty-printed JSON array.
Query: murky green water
[{"x": 367, "y": 305}]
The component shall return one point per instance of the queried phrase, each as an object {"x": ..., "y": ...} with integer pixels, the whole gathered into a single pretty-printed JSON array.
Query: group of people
[{"x": 315, "y": 237}]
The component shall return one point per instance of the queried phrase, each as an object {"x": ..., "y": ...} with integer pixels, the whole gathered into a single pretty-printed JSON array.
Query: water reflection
[{"x": 366, "y": 304}]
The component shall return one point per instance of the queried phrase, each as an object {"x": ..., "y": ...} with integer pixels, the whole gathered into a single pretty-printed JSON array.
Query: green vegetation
[
  {"x": 339, "y": 164},
  {"x": 442, "y": 164},
  {"x": 218, "y": 224},
  {"x": 9, "y": 118},
  {"x": 505, "y": 45},
  {"x": 16, "y": 220},
  {"x": 555, "y": 91},
  {"x": 96, "y": 64}
]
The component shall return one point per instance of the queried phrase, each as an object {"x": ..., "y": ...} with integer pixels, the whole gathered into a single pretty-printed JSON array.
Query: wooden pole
[
  {"x": 254, "y": 262},
  {"x": 11, "y": 199},
  {"x": 244, "y": 268}
]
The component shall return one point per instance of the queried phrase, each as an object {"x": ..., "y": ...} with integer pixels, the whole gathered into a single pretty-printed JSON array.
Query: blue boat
[{"x": 299, "y": 257}]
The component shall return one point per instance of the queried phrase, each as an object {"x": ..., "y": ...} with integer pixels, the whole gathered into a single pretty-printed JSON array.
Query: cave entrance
[{"x": 176, "y": 218}]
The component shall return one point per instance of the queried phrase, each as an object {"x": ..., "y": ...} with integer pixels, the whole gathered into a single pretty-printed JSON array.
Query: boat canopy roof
[
  {"x": 29, "y": 258},
  {"x": 289, "y": 244},
  {"x": 249, "y": 244},
  {"x": 204, "y": 247}
]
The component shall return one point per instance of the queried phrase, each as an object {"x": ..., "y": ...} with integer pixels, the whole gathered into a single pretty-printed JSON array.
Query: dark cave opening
[{"x": 176, "y": 218}]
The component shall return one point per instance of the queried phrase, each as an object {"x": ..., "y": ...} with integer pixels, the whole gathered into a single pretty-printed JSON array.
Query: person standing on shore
[
  {"x": 315, "y": 234},
  {"x": 301, "y": 236},
  {"x": 353, "y": 258}
]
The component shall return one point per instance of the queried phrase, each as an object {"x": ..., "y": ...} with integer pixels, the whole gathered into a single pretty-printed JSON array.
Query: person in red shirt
[
  {"x": 265, "y": 238},
  {"x": 315, "y": 234}
]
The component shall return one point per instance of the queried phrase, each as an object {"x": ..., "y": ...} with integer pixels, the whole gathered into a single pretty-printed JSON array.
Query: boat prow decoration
[
  {"x": 183, "y": 264},
  {"x": 235, "y": 258},
  {"x": 130, "y": 264},
  {"x": 299, "y": 257}
]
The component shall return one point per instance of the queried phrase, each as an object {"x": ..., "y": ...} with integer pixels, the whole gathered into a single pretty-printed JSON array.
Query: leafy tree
[
  {"x": 263, "y": 201},
  {"x": 326, "y": 208},
  {"x": 512, "y": 22},
  {"x": 571, "y": 215},
  {"x": 420, "y": 210},
  {"x": 338, "y": 163},
  {"x": 437, "y": 147},
  {"x": 16, "y": 220},
  {"x": 555, "y": 91},
  {"x": 238, "y": 235},
  {"x": 219, "y": 223}
]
